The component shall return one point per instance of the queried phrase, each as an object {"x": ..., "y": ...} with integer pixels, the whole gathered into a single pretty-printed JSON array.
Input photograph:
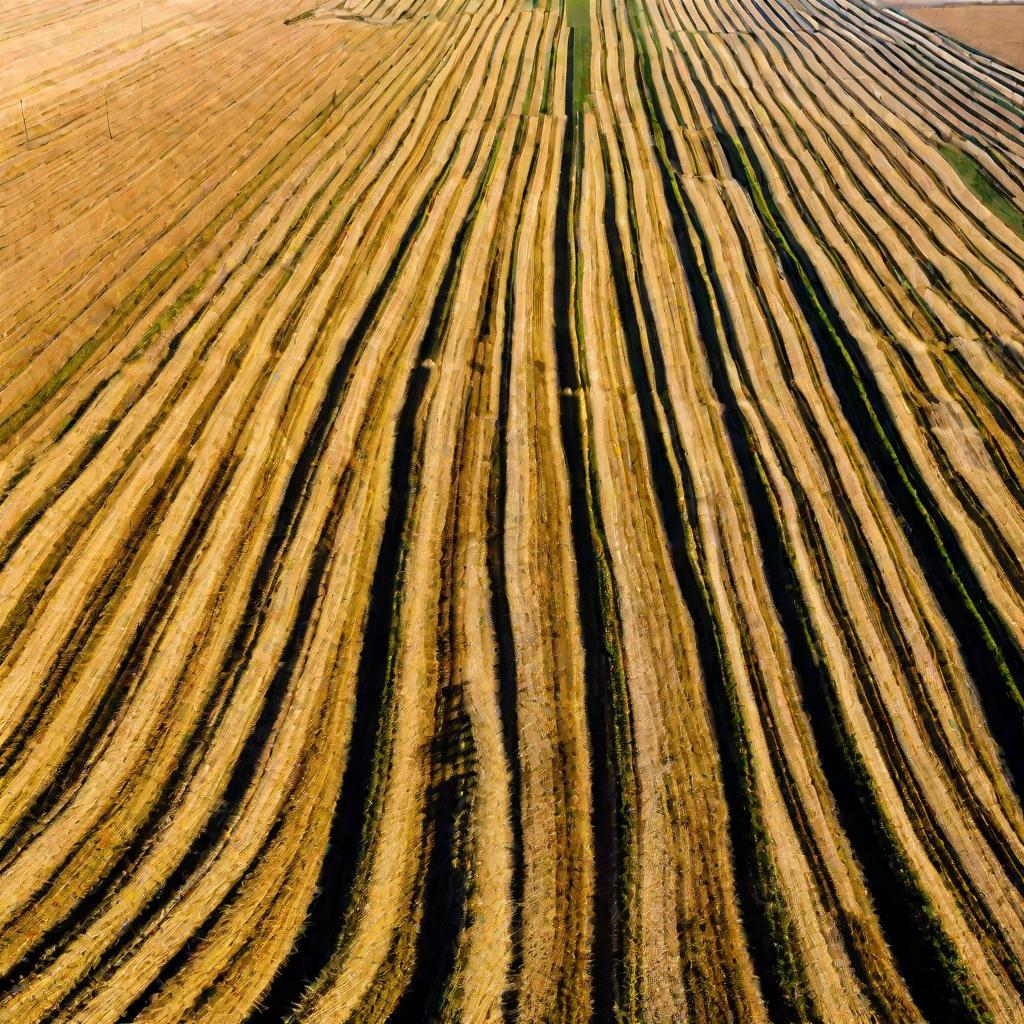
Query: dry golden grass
[{"x": 509, "y": 513}]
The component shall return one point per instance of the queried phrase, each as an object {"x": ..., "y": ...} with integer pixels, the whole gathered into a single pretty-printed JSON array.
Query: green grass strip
[
  {"x": 977, "y": 179},
  {"x": 577, "y": 14}
]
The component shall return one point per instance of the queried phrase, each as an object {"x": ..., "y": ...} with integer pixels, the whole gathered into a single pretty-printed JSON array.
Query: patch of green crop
[
  {"x": 577, "y": 13},
  {"x": 974, "y": 176}
]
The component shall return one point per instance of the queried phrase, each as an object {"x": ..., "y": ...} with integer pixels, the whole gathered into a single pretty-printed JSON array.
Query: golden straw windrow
[{"x": 509, "y": 512}]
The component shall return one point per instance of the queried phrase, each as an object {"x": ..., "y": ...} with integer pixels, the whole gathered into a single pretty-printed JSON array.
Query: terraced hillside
[{"x": 509, "y": 512}]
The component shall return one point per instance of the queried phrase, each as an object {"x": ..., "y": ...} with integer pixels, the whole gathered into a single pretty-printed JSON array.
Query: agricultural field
[
  {"x": 509, "y": 512},
  {"x": 994, "y": 28}
]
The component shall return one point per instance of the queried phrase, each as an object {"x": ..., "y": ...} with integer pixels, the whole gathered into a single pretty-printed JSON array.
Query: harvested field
[
  {"x": 509, "y": 513},
  {"x": 996, "y": 29}
]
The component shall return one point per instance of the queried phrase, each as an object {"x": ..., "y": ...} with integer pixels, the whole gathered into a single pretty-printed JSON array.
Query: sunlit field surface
[{"x": 509, "y": 514}]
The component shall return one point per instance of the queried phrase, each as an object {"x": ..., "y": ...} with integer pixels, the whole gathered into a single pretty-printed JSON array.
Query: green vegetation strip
[
  {"x": 577, "y": 14},
  {"x": 976, "y": 178}
]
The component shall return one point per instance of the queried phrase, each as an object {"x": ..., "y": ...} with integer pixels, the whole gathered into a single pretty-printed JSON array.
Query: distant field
[
  {"x": 997, "y": 29},
  {"x": 511, "y": 512}
]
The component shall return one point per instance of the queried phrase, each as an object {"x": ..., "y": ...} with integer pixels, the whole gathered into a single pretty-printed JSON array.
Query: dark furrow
[
  {"x": 354, "y": 818},
  {"x": 446, "y": 878},
  {"x": 501, "y": 614},
  {"x": 937, "y": 978},
  {"x": 607, "y": 702},
  {"x": 764, "y": 912},
  {"x": 264, "y": 581},
  {"x": 991, "y": 654},
  {"x": 873, "y": 577}
]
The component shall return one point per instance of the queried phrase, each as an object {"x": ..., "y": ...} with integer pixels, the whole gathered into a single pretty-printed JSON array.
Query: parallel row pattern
[{"x": 509, "y": 512}]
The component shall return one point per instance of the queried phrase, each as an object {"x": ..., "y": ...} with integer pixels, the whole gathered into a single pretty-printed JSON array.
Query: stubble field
[
  {"x": 509, "y": 513},
  {"x": 996, "y": 29}
]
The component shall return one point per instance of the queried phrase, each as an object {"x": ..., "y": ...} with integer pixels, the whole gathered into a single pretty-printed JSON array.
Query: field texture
[
  {"x": 509, "y": 513},
  {"x": 993, "y": 28}
]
